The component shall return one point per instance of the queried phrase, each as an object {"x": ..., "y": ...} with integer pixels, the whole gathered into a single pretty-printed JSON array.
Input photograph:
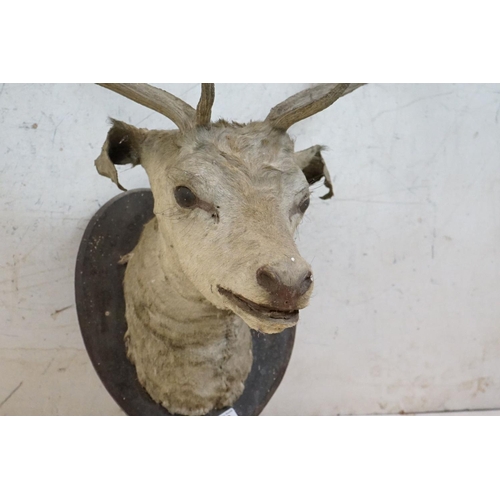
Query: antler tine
[
  {"x": 204, "y": 108},
  {"x": 181, "y": 113},
  {"x": 307, "y": 103}
]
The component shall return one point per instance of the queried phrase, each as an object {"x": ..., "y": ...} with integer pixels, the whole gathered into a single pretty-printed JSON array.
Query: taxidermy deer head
[{"x": 227, "y": 199}]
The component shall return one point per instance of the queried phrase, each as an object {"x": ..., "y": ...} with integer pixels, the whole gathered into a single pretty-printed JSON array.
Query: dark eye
[
  {"x": 185, "y": 197},
  {"x": 304, "y": 204}
]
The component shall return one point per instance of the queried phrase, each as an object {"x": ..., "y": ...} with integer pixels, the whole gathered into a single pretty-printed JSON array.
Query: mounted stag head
[{"x": 227, "y": 199}]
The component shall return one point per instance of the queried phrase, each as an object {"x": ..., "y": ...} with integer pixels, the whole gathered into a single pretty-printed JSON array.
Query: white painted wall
[{"x": 405, "y": 313}]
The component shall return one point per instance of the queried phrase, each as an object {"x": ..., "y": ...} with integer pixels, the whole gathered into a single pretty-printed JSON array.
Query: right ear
[
  {"x": 314, "y": 168},
  {"x": 122, "y": 146}
]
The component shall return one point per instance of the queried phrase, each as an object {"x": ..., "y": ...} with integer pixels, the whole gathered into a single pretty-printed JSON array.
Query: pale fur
[{"x": 190, "y": 356}]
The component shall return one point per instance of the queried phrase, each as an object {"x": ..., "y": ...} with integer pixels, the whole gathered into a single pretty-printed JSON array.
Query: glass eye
[
  {"x": 304, "y": 204},
  {"x": 185, "y": 197}
]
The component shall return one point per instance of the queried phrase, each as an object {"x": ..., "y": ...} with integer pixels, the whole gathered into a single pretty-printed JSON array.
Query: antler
[
  {"x": 181, "y": 113},
  {"x": 204, "y": 108},
  {"x": 307, "y": 103},
  {"x": 283, "y": 116}
]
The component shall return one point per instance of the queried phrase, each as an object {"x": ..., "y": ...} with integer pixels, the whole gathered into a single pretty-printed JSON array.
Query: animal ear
[
  {"x": 314, "y": 168},
  {"x": 122, "y": 146}
]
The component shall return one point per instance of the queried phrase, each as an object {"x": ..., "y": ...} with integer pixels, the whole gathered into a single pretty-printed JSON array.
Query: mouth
[{"x": 260, "y": 310}]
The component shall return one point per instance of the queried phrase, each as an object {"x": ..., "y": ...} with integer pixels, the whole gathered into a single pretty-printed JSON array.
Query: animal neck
[
  {"x": 190, "y": 356},
  {"x": 175, "y": 303}
]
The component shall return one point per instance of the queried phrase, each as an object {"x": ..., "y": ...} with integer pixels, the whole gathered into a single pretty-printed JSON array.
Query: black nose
[{"x": 283, "y": 296}]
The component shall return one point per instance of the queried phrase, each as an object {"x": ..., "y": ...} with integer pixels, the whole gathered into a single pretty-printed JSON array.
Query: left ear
[
  {"x": 123, "y": 145},
  {"x": 314, "y": 168}
]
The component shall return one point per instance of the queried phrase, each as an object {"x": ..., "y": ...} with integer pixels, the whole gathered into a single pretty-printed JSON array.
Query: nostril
[
  {"x": 267, "y": 279},
  {"x": 306, "y": 283}
]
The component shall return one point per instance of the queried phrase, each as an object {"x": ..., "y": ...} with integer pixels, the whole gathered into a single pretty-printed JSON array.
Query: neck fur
[{"x": 190, "y": 356}]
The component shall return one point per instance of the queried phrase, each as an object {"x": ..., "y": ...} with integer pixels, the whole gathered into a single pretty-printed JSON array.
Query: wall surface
[{"x": 405, "y": 315}]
